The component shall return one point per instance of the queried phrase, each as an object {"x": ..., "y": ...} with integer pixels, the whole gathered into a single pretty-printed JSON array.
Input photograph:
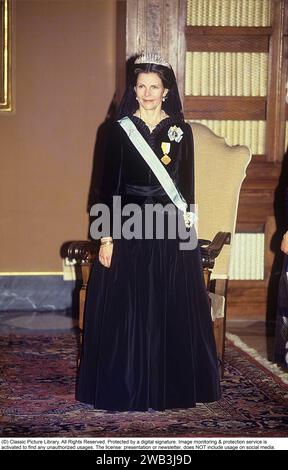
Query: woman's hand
[
  {"x": 284, "y": 244},
  {"x": 105, "y": 252}
]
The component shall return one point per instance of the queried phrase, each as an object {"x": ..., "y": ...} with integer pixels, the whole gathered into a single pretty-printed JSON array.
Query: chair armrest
[
  {"x": 82, "y": 251},
  {"x": 210, "y": 250}
]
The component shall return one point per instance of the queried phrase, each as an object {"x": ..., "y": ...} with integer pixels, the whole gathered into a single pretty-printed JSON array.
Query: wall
[{"x": 65, "y": 79}]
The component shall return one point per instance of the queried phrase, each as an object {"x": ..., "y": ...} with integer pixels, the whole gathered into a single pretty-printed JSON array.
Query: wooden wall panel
[
  {"x": 157, "y": 26},
  {"x": 225, "y": 107},
  {"x": 224, "y": 39},
  {"x": 258, "y": 199},
  {"x": 275, "y": 139}
]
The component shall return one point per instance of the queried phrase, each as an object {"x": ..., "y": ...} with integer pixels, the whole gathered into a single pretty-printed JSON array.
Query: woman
[{"x": 148, "y": 340}]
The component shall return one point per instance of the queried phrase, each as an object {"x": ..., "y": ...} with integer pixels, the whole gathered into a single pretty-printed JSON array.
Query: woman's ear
[{"x": 165, "y": 92}]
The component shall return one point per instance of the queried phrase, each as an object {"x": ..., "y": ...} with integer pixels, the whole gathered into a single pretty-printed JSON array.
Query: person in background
[{"x": 281, "y": 332}]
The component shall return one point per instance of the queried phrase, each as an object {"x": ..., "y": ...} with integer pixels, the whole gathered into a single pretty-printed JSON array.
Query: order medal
[{"x": 165, "y": 146}]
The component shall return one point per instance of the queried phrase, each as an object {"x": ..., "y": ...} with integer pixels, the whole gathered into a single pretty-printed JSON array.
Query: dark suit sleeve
[{"x": 186, "y": 166}]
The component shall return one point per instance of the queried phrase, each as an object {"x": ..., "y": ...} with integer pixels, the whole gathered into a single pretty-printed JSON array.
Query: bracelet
[{"x": 108, "y": 242}]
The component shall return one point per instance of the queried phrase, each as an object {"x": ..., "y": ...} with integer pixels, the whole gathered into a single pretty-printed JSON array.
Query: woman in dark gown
[{"x": 148, "y": 341}]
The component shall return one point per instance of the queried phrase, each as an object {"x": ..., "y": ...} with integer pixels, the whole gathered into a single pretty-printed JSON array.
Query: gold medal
[
  {"x": 165, "y": 146},
  {"x": 166, "y": 159}
]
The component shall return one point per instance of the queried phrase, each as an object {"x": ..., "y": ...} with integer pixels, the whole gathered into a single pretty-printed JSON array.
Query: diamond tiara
[{"x": 152, "y": 59}]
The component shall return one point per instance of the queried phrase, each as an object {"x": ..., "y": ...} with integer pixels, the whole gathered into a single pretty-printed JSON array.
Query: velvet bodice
[{"x": 125, "y": 167}]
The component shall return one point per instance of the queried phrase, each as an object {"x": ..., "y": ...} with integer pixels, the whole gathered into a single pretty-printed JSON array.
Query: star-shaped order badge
[{"x": 175, "y": 133}]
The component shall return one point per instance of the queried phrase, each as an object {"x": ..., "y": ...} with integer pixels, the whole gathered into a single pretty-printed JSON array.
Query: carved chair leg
[
  {"x": 221, "y": 286},
  {"x": 207, "y": 275},
  {"x": 219, "y": 324},
  {"x": 85, "y": 269}
]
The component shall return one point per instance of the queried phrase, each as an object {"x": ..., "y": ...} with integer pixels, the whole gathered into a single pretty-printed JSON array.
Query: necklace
[{"x": 151, "y": 126}]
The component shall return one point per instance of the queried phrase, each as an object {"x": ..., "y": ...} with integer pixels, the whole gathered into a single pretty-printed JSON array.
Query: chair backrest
[{"x": 219, "y": 172}]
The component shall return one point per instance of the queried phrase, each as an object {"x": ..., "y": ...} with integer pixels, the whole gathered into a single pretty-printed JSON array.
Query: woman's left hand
[{"x": 105, "y": 255}]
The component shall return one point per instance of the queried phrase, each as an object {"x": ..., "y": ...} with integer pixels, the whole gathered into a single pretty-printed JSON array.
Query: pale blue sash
[{"x": 158, "y": 169}]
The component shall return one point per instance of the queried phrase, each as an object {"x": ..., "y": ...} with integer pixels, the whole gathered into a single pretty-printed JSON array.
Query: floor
[
  {"x": 253, "y": 333},
  {"x": 36, "y": 322}
]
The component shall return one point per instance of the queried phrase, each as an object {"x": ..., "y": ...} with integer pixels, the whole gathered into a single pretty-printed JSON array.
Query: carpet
[{"x": 37, "y": 398}]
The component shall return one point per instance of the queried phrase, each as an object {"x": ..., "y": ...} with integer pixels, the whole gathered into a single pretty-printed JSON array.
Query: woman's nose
[{"x": 147, "y": 92}]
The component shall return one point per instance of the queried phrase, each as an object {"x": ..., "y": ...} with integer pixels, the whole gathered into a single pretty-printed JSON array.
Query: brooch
[{"x": 175, "y": 133}]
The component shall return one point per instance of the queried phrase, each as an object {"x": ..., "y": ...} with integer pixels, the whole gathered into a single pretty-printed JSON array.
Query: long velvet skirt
[{"x": 148, "y": 341}]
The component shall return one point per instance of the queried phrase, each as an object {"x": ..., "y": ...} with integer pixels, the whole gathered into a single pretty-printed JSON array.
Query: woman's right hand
[
  {"x": 284, "y": 244},
  {"x": 105, "y": 254}
]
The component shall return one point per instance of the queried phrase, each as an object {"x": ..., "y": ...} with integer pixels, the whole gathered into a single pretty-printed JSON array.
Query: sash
[{"x": 158, "y": 169}]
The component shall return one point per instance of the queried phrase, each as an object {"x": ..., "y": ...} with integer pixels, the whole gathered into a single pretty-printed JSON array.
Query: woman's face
[{"x": 150, "y": 90}]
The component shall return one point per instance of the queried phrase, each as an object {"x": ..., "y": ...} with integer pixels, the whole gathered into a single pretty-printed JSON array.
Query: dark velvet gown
[{"x": 148, "y": 341}]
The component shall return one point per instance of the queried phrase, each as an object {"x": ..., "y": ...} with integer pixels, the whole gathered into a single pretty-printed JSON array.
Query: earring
[{"x": 164, "y": 98}]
